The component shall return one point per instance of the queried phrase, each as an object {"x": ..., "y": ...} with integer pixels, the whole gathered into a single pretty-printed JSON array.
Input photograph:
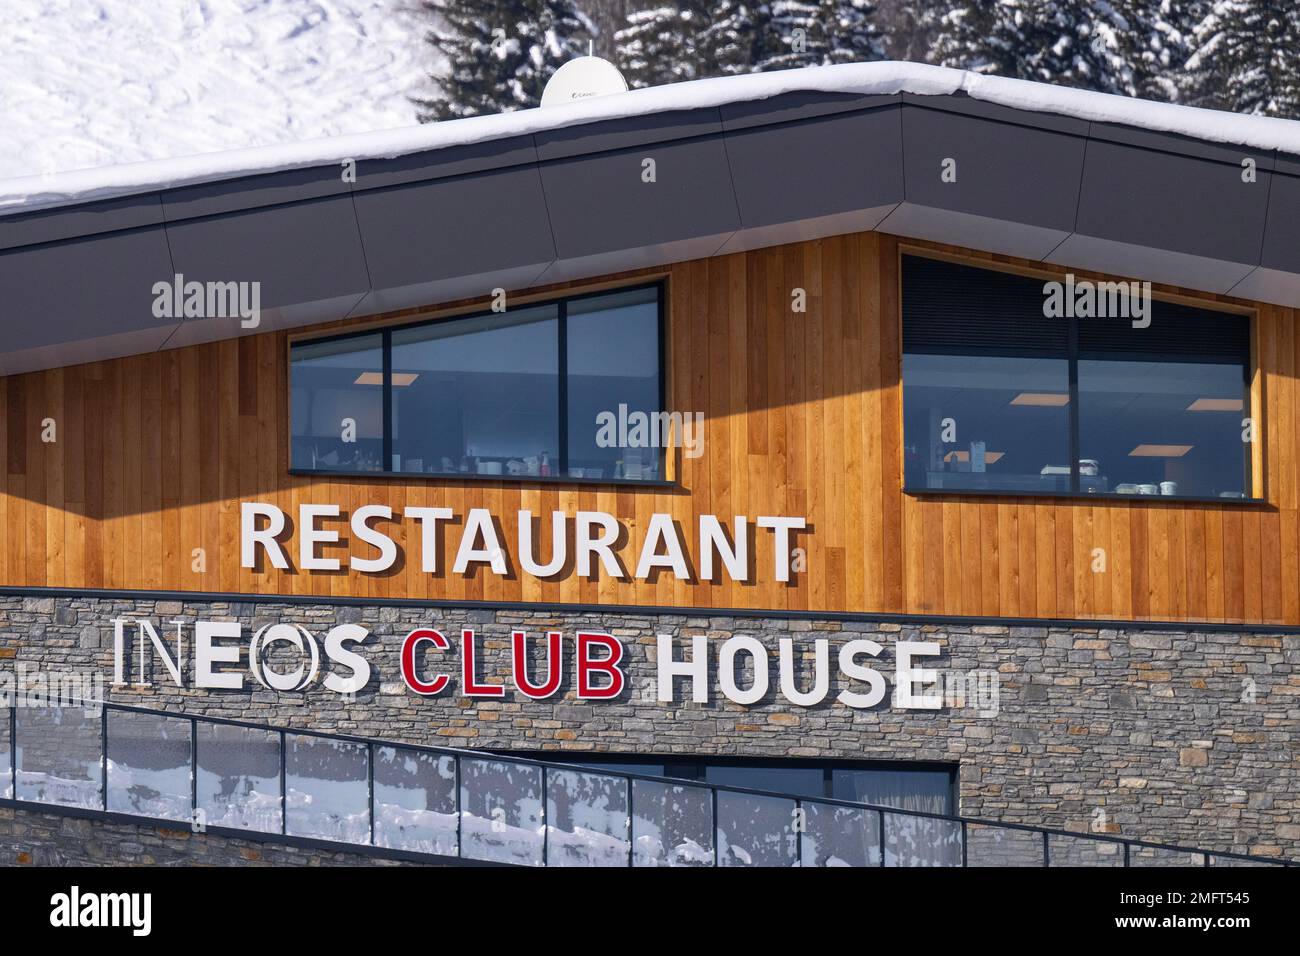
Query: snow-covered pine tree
[
  {"x": 905, "y": 27},
  {"x": 499, "y": 53},
  {"x": 740, "y": 35},
  {"x": 1066, "y": 42},
  {"x": 959, "y": 32},
  {"x": 692, "y": 40},
  {"x": 607, "y": 18},
  {"x": 799, "y": 33},
  {"x": 853, "y": 34},
  {"x": 733, "y": 39},
  {"x": 1245, "y": 57},
  {"x": 666, "y": 44},
  {"x": 794, "y": 36},
  {"x": 1156, "y": 44}
]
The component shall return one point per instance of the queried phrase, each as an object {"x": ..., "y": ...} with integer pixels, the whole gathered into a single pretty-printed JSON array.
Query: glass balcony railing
[{"x": 229, "y": 777}]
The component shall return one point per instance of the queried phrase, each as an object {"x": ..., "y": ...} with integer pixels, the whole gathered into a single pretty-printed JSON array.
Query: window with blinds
[{"x": 1007, "y": 391}]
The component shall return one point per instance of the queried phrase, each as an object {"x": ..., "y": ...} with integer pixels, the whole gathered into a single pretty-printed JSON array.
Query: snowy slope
[{"x": 89, "y": 83}]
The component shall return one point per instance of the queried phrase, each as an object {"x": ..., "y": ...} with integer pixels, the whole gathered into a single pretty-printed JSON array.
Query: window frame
[
  {"x": 1257, "y": 493},
  {"x": 561, "y": 303},
  {"x": 690, "y": 768}
]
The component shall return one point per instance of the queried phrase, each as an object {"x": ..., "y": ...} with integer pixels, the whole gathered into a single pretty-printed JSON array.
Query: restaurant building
[{"x": 879, "y": 437}]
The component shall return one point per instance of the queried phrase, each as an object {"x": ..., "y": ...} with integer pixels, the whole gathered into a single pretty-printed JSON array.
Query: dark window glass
[
  {"x": 799, "y": 781},
  {"x": 954, "y": 309},
  {"x": 645, "y": 769},
  {"x": 337, "y": 404},
  {"x": 613, "y": 375},
  {"x": 1164, "y": 428},
  {"x": 999, "y": 396},
  {"x": 565, "y": 389},
  {"x": 987, "y": 422},
  {"x": 478, "y": 395},
  {"x": 921, "y": 787},
  {"x": 929, "y": 791}
]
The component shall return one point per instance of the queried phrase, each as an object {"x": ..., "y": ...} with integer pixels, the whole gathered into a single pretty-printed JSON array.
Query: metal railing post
[
  {"x": 713, "y": 803},
  {"x": 1047, "y": 853},
  {"x": 964, "y": 844},
  {"x": 13, "y": 743},
  {"x": 455, "y": 766},
  {"x": 880, "y": 817},
  {"x": 546, "y": 827},
  {"x": 631, "y": 836},
  {"x": 103, "y": 753},
  {"x": 798, "y": 833},
  {"x": 194, "y": 771},
  {"x": 370, "y": 786},
  {"x": 1126, "y": 860},
  {"x": 284, "y": 791}
]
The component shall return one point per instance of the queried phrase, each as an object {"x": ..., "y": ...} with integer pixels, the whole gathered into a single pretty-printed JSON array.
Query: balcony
[{"x": 431, "y": 804}]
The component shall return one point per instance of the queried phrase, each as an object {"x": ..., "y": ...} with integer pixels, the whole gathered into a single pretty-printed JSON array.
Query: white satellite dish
[{"x": 581, "y": 79}]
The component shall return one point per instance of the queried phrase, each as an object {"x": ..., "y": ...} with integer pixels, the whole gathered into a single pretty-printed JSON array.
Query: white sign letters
[{"x": 483, "y": 541}]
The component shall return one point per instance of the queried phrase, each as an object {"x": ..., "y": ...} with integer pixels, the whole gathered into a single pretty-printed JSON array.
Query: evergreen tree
[
  {"x": 693, "y": 40},
  {"x": 608, "y": 17},
  {"x": 958, "y": 33},
  {"x": 1246, "y": 58},
  {"x": 499, "y": 53},
  {"x": 794, "y": 36},
  {"x": 817, "y": 32},
  {"x": 668, "y": 44},
  {"x": 741, "y": 32},
  {"x": 735, "y": 36},
  {"x": 1132, "y": 47},
  {"x": 906, "y": 28},
  {"x": 1156, "y": 45},
  {"x": 1066, "y": 42},
  {"x": 854, "y": 36},
  {"x": 690, "y": 41}
]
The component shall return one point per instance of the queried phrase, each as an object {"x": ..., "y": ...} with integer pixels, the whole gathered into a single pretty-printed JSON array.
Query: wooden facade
[{"x": 154, "y": 453}]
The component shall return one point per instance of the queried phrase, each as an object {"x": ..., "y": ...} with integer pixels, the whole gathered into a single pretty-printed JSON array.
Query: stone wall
[
  {"x": 30, "y": 838},
  {"x": 1185, "y": 737}
]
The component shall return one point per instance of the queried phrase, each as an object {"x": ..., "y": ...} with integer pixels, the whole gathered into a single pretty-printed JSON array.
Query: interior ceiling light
[
  {"x": 1160, "y": 451},
  {"x": 989, "y": 456},
  {"x": 1216, "y": 405},
  {"x": 1041, "y": 398},
  {"x": 377, "y": 378}
]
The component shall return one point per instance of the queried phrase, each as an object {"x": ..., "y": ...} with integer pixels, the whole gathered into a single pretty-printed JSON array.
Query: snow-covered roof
[
  {"x": 31, "y": 193},
  {"x": 1192, "y": 198}
]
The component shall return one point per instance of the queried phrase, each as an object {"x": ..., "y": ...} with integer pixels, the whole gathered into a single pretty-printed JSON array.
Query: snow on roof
[{"x": 29, "y": 193}]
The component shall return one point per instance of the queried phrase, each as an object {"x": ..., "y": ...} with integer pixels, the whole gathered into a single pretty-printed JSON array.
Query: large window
[
  {"x": 478, "y": 394},
  {"x": 337, "y": 404},
  {"x": 924, "y": 787},
  {"x": 541, "y": 391},
  {"x": 1001, "y": 395}
]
